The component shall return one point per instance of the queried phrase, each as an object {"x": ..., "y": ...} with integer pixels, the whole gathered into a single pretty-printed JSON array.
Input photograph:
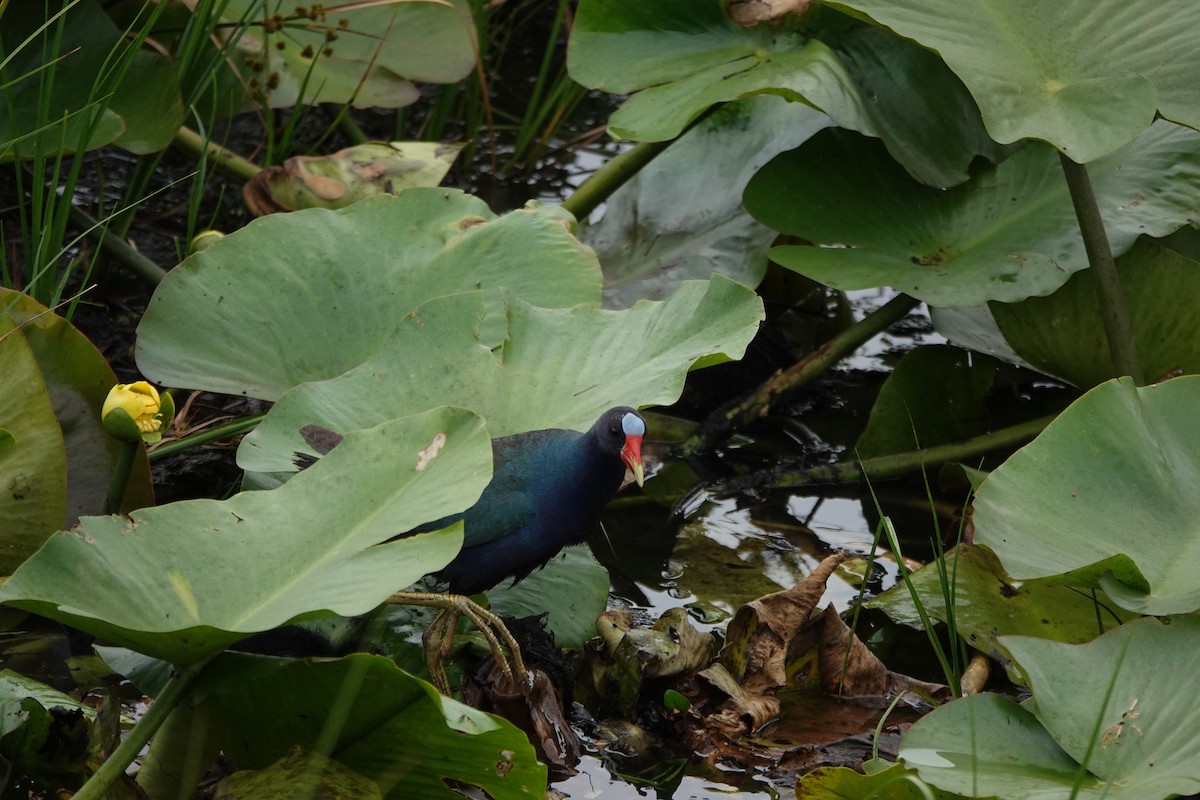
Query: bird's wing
[
  {"x": 505, "y": 507},
  {"x": 520, "y": 464}
]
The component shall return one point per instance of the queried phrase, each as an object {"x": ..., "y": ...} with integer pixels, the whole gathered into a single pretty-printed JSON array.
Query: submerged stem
[
  {"x": 724, "y": 422},
  {"x": 227, "y": 162},
  {"x": 1113, "y": 310},
  {"x": 884, "y": 467}
]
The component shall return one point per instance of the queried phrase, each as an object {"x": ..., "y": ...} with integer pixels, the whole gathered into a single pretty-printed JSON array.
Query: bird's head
[{"x": 620, "y": 431}]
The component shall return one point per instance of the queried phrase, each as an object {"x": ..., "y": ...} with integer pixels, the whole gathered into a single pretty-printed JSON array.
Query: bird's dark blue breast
[{"x": 547, "y": 491}]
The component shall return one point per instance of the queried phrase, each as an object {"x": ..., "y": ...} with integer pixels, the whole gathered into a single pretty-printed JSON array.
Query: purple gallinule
[{"x": 547, "y": 490}]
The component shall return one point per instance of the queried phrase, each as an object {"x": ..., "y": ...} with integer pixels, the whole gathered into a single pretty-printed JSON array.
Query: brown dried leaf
[
  {"x": 850, "y": 669},
  {"x": 757, "y": 639},
  {"x": 534, "y": 708}
]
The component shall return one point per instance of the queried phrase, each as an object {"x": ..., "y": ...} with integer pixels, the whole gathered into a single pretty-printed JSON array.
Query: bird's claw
[{"x": 438, "y": 638}]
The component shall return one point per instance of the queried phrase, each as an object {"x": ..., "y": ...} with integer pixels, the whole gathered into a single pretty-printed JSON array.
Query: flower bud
[{"x": 134, "y": 411}]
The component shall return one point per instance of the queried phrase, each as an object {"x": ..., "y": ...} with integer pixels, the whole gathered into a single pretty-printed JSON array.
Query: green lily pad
[
  {"x": 78, "y": 378},
  {"x": 1063, "y": 334},
  {"x": 33, "y": 470},
  {"x": 988, "y": 606},
  {"x": 1114, "y": 701},
  {"x": 988, "y": 746},
  {"x": 306, "y": 296},
  {"x": 556, "y": 368},
  {"x": 572, "y": 589},
  {"x": 1087, "y": 76},
  {"x": 365, "y": 54},
  {"x": 140, "y": 110},
  {"x": 185, "y": 580},
  {"x": 1149, "y": 741},
  {"x": 1108, "y": 472},
  {"x": 1009, "y": 233},
  {"x": 671, "y": 222}
]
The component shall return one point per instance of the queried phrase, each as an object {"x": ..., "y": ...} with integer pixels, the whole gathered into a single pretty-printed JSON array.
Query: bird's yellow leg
[{"x": 439, "y": 636}]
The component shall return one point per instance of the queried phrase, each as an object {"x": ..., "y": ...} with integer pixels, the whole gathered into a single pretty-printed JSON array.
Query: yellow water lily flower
[{"x": 135, "y": 411}]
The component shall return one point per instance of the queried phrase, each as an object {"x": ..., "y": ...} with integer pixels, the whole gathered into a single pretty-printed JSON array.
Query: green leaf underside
[{"x": 672, "y": 222}]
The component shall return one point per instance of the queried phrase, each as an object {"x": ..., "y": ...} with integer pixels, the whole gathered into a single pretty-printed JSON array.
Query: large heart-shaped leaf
[
  {"x": 672, "y": 222},
  {"x": 1085, "y": 75},
  {"x": 557, "y": 367},
  {"x": 365, "y": 54},
  {"x": 78, "y": 379},
  {"x": 988, "y": 746},
  {"x": 1114, "y": 701},
  {"x": 1100, "y": 499},
  {"x": 1063, "y": 334},
  {"x": 308, "y": 295},
  {"x": 187, "y": 579},
  {"x": 33, "y": 468},
  {"x": 1009, "y": 233}
]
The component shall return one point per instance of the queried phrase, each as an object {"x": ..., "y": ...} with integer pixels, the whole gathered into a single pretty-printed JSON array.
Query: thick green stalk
[
  {"x": 227, "y": 162},
  {"x": 724, "y": 422},
  {"x": 1113, "y": 310},
  {"x": 120, "y": 477},
  {"x": 115, "y": 765},
  {"x": 117, "y": 247},
  {"x": 234, "y": 428},
  {"x": 610, "y": 177},
  {"x": 891, "y": 466}
]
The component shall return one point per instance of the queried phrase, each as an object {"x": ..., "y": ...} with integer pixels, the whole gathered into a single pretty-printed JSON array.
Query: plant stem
[
  {"x": 237, "y": 426},
  {"x": 1113, "y": 310},
  {"x": 889, "y": 466},
  {"x": 115, "y": 765},
  {"x": 120, "y": 477},
  {"x": 225, "y": 161},
  {"x": 610, "y": 177},
  {"x": 724, "y": 422},
  {"x": 117, "y": 247}
]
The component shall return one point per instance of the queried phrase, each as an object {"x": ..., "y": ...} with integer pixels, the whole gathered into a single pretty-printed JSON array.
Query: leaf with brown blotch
[
  {"x": 535, "y": 708},
  {"x": 850, "y": 669}
]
